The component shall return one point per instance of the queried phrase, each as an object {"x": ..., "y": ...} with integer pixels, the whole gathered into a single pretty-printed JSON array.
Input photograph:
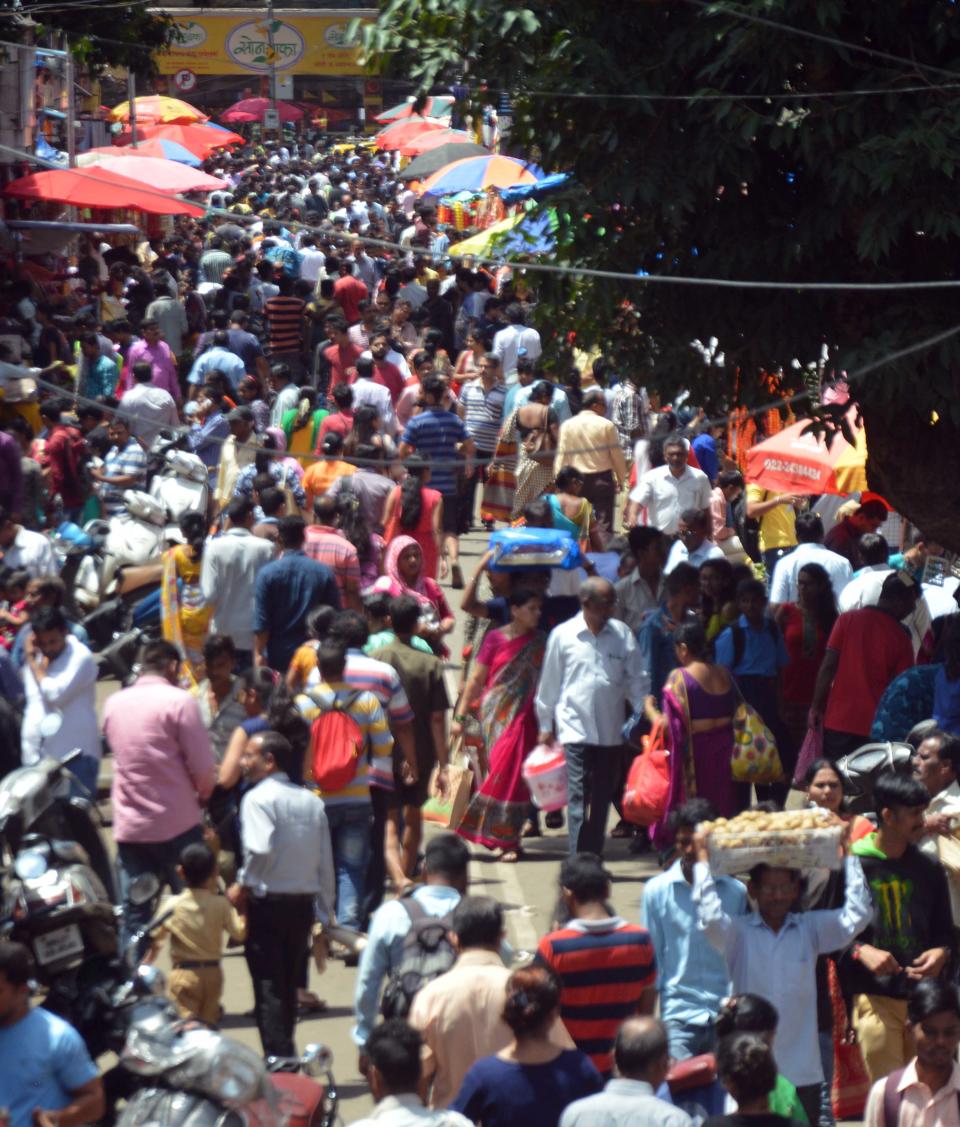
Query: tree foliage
[
  {"x": 757, "y": 178},
  {"x": 122, "y": 36}
]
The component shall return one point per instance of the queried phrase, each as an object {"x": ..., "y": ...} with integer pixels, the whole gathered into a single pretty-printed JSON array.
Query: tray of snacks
[{"x": 788, "y": 839}]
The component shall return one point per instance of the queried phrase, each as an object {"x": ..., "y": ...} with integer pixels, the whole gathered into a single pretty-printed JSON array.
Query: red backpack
[{"x": 336, "y": 743}]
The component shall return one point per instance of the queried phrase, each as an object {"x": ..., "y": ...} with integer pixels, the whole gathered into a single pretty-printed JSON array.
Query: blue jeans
[
  {"x": 690, "y": 1040},
  {"x": 825, "y": 1037},
  {"x": 350, "y": 836},
  {"x": 85, "y": 771},
  {"x": 592, "y": 772},
  {"x": 134, "y": 858}
]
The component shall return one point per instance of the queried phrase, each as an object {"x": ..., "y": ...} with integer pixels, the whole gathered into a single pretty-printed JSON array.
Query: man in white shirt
[
  {"x": 936, "y": 764},
  {"x": 810, "y": 549},
  {"x": 591, "y": 669},
  {"x": 287, "y": 875},
  {"x": 692, "y": 545},
  {"x": 669, "y": 489},
  {"x": 228, "y": 577},
  {"x": 516, "y": 336},
  {"x": 311, "y": 260},
  {"x": 60, "y": 681},
  {"x": 642, "y": 1056},
  {"x": 24, "y": 550},
  {"x": 368, "y": 393},
  {"x": 148, "y": 408}
]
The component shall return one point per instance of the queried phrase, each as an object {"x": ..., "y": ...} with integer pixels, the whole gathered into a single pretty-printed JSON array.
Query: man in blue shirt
[
  {"x": 46, "y": 1075},
  {"x": 692, "y": 976},
  {"x": 287, "y": 590},
  {"x": 220, "y": 357},
  {"x": 754, "y": 651},
  {"x": 440, "y": 435},
  {"x": 214, "y": 430}
]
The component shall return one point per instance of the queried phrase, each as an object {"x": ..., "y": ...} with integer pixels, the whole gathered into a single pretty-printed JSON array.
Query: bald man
[{"x": 642, "y": 1059}]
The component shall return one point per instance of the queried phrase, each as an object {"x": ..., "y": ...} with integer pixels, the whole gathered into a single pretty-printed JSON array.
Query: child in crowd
[
  {"x": 13, "y": 609},
  {"x": 200, "y": 917}
]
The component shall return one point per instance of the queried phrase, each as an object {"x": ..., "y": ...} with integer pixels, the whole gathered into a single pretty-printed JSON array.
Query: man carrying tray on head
[{"x": 772, "y": 951}]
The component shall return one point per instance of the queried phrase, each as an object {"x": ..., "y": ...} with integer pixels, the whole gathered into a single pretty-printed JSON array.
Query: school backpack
[
  {"x": 427, "y": 953},
  {"x": 336, "y": 742}
]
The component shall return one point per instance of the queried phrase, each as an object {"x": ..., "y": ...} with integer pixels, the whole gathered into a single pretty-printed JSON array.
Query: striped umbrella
[
  {"x": 427, "y": 141},
  {"x": 473, "y": 174},
  {"x": 152, "y": 147},
  {"x": 437, "y": 105},
  {"x": 163, "y": 175},
  {"x": 159, "y": 109}
]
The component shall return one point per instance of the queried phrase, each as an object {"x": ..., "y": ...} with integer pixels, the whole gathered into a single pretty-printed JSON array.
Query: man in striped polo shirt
[
  {"x": 285, "y": 313},
  {"x": 606, "y": 966},
  {"x": 439, "y": 434},
  {"x": 348, "y": 810}
]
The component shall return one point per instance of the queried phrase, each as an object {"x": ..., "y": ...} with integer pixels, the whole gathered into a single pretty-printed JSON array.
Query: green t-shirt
[
  {"x": 385, "y": 637},
  {"x": 785, "y": 1101}
]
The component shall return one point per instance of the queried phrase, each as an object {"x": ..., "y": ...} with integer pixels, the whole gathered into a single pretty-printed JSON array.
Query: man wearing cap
[
  {"x": 238, "y": 450},
  {"x": 867, "y": 648}
]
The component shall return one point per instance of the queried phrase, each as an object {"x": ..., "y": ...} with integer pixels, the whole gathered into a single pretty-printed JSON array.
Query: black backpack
[{"x": 427, "y": 953}]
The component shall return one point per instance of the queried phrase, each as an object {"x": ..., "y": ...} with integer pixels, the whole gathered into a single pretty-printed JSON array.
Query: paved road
[{"x": 528, "y": 890}]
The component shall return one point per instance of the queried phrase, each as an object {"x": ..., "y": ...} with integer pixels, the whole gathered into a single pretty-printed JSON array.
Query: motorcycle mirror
[
  {"x": 50, "y": 724},
  {"x": 316, "y": 1060},
  {"x": 143, "y": 889}
]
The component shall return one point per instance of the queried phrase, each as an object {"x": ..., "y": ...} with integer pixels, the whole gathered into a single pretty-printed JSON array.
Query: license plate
[{"x": 59, "y": 944}]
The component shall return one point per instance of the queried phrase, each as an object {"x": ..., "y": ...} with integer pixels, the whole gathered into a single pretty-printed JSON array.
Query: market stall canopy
[
  {"x": 435, "y": 105},
  {"x": 440, "y": 157},
  {"x": 474, "y": 174},
  {"x": 437, "y": 138},
  {"x": 794, "y": 462},
  {"x": 163, "y": 175},
  {"x": 158, "y": 109},
  {"x": 151, "y": 147},
  {"x": 253, "y": 109},
  {"x": 97, "y": 187},
  {"x": 517, "y": 234},
  {"x": 201, "y": 140},
  {"x": 403, "y": 131}
]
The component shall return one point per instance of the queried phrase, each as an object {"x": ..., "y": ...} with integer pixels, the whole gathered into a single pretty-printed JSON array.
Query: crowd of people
[{"x": 360, "y": 404}]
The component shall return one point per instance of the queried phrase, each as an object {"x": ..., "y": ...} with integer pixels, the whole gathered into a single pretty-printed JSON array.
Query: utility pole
[
  {"x": 68, "y": 77},
  {"x": 132, "y": 103},
  {"x": 273, "y": 61}
]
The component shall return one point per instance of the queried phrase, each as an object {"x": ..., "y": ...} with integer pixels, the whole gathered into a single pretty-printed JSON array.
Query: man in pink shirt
[
  {"x": 155, "y": 352},
  {"x": 163, "y": 770}
]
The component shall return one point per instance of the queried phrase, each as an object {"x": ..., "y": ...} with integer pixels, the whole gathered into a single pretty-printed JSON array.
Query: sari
[
  {"x": 426, "y": 591},
  {"x": 508, "y": 722},
  {"x": 184, "y": 614},
  {"x": 700, "y": 762},
  {"x": 580, "y": 527}
]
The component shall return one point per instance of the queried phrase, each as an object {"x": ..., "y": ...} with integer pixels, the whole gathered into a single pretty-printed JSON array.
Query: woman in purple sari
[
  {"x": 699, "y": 700},
  {"x": 504, "y": 677}
]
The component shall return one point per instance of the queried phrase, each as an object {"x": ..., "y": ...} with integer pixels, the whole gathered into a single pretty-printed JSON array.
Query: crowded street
[{"x": 441, "y": 682}]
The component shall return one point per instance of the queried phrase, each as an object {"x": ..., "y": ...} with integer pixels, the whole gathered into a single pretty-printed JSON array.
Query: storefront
[{"x": 228, "y": 54}]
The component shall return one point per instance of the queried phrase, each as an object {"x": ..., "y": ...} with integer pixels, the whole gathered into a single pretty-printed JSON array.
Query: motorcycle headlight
[
  {"x": 152, "y": 980},
  {"x": 225, "y": 1070}
]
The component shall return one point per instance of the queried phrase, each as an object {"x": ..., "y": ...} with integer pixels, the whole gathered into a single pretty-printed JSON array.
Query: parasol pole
[
  {"x": 132, "y": 103},
  {"x": 273, "y": 61},
  {"x": 70, "y": 107}
]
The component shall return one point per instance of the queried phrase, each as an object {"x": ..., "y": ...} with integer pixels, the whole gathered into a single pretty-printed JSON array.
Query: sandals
[{"x": 510, "y": 856}]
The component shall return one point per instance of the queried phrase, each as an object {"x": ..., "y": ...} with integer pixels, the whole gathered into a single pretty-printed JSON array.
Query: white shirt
[
  {"x": 228, "y": 576},
  {"x": 150, "y": 409},
  {"x": 31, "y": 552},
  {"x": 665, "y": 496},
  {"x": 586, "y": 680},
  {"x": 69, "y": 687},
  {"x": 863, "y": 590},
  {"x": 945, "y": 848},
  {"x": 783, "y": 585},
  {"x": 781, "y": 966},
  {"x": 286, "y": 843},
  {"x": 919, "y": 1107},
  {"x": 624, "y": 1103},
  {"x": 508, "y": 342},
  {"x": 680, "y": 554},
  {"x": 407, "y": 1110},
  {"x": 397, "y": 359},
  {"x": 311, "y": 263},
  {"x": 366, "y": 393}
]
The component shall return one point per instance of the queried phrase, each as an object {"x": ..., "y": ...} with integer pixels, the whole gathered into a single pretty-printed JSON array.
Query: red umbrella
[
  {"x": 199, "y": 139},
  {"x": 162, "y": 175},
  {"x": 427, "y": 141},
  {"x": 253, "y": 109},
  {"x": 97, "y": 187},
  {"x": 403, "y": 131}
]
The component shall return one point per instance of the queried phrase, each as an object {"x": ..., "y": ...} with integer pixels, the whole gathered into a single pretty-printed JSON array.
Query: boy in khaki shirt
[{"x": 196, "y": 928}]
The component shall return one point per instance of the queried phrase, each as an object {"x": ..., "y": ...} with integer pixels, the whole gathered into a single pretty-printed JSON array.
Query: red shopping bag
[
  {"x": 851, "y": 1081},
  {"x": 648, "y": 782}
]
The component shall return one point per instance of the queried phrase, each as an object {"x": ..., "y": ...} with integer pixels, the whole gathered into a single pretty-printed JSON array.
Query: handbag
[
  {"x": 648, "y": 781},
  {"x": 810, "y": 751},
  {"x": 755, "y": 756},
  {"x": 448, "y": 812},
  {"x": 851, "y": 1081},
  {"x": 538, "y": 444}
]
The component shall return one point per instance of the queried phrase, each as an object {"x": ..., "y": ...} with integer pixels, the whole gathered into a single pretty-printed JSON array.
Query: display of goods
[{"x": 787, "y": 839}]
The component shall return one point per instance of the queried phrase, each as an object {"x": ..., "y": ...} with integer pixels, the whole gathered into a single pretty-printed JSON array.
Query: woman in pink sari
[
  {"x": 403, "y": 565},
  {"x": 699, "y": 700},
  {"x": 504, "y": 678}
]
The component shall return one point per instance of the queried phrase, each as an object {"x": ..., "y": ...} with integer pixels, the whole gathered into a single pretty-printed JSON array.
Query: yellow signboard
[{"x": 239, "y": 44}]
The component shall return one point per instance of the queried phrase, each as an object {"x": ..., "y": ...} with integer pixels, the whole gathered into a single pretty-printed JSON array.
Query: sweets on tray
[{"x": 790, "y": 839}]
